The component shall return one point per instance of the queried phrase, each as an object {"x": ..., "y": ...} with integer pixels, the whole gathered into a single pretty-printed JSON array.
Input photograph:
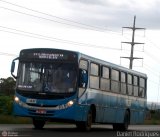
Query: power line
[
  {"x": 153, "y": 43},
  {"x": 82, "y": 25},
  {"x": 7, "y": 54},
  {"x": 37, "y": 16},
  {"x": 46, "y": 18},
  {"x": 64, "y": 19},
  {"x": 43, "y": 37},
  {"x": 33, "y": 35},
  {"x": 147, "y": 67},
  {"x": 39, "y": 36},
  {"x": 49, "y": 14},
  {"x": 153, "y": 72},
  {"x": 152, "y": 56}
]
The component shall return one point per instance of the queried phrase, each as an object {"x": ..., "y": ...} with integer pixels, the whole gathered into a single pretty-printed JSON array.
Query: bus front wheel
[
  {"x": 38, "y": 124},
  {"x": 86, "y": 125}
]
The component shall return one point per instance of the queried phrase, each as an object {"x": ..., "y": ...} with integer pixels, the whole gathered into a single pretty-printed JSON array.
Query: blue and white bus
[{"x": 68, "y": 86}]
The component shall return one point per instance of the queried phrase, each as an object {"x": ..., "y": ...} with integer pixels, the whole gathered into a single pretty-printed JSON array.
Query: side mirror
[
  {"x": 13, "y": 68},
  {"x": 83, "y": 78}
]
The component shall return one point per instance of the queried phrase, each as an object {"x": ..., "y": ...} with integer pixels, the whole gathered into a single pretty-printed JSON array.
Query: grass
[
  {"x": 154, "y": 118},
  {"x": 152, "y": 122},
  {"x": 9, "y": 119}
]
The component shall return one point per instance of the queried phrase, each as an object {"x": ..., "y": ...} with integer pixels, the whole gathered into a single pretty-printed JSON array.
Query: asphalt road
[{"x": 60, "y": 130}]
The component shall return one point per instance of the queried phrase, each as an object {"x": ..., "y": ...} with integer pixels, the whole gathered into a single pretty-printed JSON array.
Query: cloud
[{"x": 115, "y": 14}]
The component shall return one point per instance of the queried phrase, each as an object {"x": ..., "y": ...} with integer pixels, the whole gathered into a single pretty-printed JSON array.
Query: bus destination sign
[{"x": 49, "y": 56}]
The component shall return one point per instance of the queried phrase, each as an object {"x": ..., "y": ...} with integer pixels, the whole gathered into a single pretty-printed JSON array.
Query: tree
[{"x": 7, "y": 86}]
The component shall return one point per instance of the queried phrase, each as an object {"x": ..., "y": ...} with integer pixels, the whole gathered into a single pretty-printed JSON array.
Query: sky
[{"x": 93, "y": 27}]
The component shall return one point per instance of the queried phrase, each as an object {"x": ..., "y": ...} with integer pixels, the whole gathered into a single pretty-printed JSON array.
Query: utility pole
[{"x": 131, "y": 58}]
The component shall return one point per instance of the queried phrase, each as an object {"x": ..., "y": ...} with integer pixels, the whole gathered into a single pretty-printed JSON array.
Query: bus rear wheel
[
  {"x": 126, "y": 122},
  {"x": 86, "y": 125},
  {"x": 122, "y": 126},
  {"x": 38, "y": 124}
]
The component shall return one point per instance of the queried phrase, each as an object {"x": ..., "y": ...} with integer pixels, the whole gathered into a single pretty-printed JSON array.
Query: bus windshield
[{"x": 56, "y": 77}]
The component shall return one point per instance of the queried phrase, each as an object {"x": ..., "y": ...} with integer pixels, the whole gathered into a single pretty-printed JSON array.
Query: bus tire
[
  {"x": 116, "y": 127},
  {"x": 86, "y": 125},
  {"x": 38, "y": 124},
  {"x": 126, "y": 121},
  {"x": 122, "y": 126}
]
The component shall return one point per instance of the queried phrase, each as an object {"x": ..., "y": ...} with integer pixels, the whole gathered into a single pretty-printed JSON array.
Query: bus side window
[
  {"x": 105, "y": 79},
  {"x": 135, "y": 87},
  {"x": 123, "y": 83},
  {"x": 130, "y": 83},
  {"x": 94, "y": 76},
  {"x": 115, "y": 80},
  {"x": 142, "y": 87}
]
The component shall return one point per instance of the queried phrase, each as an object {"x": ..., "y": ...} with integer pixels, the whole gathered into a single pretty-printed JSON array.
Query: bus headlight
[
  {"x": 16, "y": 99},
  {"x": 70, "y": 103}
]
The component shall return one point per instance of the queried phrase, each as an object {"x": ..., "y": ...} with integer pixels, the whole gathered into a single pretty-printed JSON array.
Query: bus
[{"x": 68, "y": 86}]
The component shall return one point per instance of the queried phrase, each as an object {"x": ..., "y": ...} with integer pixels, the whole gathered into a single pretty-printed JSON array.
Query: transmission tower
[{"x": 131, "y": 58}]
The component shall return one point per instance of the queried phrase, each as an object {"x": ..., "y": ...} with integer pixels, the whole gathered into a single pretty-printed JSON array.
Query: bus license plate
[{"x": 41, "y": 111}]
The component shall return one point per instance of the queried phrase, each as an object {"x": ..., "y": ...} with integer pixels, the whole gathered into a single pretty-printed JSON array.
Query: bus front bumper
[{"x": 70, "y": 111}]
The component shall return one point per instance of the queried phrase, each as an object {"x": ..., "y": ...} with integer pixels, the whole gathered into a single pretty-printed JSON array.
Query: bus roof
[{"x": 92, "y": 59}]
